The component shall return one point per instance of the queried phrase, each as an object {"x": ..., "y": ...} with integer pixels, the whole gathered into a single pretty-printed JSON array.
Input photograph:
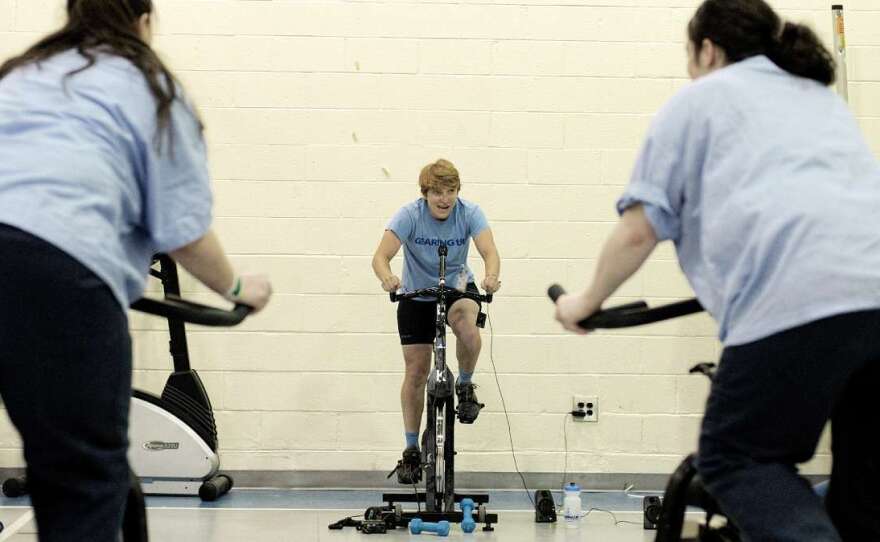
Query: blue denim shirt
[
  {"x": 80, "y": 167},
  {"x": 771, "y": 195}
]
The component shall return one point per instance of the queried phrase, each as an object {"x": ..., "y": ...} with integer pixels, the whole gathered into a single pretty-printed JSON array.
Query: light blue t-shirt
[
  {"x": 771, "y": 195},
  {"x": 421, "y": 234},
  {"x": 80, "y": 169}
]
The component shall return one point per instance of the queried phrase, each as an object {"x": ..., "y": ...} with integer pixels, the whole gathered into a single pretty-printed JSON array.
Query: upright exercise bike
[
  {"x": 174, "y": 444},
  {"x": 438, "y": 438},
  {"x": 179, "y": 311},
  {"x": 685, "y": 487}
]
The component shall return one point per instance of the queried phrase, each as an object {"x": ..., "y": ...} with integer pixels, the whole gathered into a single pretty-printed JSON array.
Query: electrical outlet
[{"x": 586, "y": 404}]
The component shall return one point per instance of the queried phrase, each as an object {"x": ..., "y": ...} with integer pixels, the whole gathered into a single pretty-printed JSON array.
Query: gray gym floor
[{"x": 253, "y": 515}]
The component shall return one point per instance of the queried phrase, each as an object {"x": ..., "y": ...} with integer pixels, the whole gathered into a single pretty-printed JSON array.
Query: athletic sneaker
[
  {"x": 468, "y": 406},
  {"x": 409, "y": 468}
]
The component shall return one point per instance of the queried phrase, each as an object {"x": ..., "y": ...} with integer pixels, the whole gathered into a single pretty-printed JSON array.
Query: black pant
[
  {"x": 65, "y": 376},
  {"x": 417, "y": 320},
  {"x": 769, "y": 403}
]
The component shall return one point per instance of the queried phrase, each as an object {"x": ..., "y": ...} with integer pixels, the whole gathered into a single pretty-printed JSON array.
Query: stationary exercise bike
[
  {"x": 685, "y": 487},
  {"x": 178, "y": 312},
  {"x": 438, "y": 438},
  {"x": 174, "y": 445}
]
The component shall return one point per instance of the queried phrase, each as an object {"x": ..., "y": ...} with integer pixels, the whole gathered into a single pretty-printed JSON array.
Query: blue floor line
[{"x": 344, "y": 499}]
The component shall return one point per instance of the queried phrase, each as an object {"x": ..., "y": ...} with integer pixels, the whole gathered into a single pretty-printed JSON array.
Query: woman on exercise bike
[
  {"x": 758, "y": 173},
  {"x": 439, "y": 216},
  {"x": 102, "y": 164}
]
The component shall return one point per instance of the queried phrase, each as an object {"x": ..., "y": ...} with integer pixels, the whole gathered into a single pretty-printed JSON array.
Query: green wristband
[{"x": 235, "y": 290}]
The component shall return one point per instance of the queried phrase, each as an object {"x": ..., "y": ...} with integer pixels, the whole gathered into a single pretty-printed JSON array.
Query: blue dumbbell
[
  {"x": 467, "y": 511},
  {"x": 417, "y": 526}
]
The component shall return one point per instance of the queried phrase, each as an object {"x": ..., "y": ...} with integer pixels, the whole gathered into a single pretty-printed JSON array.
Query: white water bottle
[{"x": 571, "y": 504}]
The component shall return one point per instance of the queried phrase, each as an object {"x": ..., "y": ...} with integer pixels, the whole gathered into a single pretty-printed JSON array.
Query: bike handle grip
[
  {"x": 555, "y": 291},
  {"x": 631, "y": 314},
  {"x": 195, "y": 313}
]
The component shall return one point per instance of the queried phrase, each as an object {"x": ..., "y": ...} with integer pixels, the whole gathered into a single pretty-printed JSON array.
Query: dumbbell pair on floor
[{"x": 468, "y": 525}]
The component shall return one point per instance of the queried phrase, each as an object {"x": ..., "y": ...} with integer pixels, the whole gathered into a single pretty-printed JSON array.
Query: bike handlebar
[
  {"x": 631, "y": 314},
  {"x": 195, "y": 313},
  {"x": 435, "y": 292}
]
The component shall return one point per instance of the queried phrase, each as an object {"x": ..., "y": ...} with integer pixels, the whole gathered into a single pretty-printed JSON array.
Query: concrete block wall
[{"x": 319, "y": 116}]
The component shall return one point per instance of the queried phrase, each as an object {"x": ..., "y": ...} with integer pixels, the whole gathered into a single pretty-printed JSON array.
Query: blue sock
[
  {"x": 412, "y": 439},
  {"x": 464, "y": 378}
]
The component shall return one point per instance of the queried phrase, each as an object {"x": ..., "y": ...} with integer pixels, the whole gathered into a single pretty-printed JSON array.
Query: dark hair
[
  {"x": 746, "y": 28},
  {"x": 107, "y": 26}
]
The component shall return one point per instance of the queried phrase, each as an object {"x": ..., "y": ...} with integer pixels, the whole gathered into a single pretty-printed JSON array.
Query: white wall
[{"x": 320, "y": 115}]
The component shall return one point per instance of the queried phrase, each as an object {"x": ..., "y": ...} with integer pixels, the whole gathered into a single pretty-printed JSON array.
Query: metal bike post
[
  {"x": 840, "y": 50},
  {"x": 439, "y": 404},
  {"x": 440, "y": 374}
]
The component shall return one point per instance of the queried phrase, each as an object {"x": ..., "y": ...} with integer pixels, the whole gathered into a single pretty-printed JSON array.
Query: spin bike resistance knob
[
  {"x": 467, "y": 510},
  {"x": 417, "y": 526}
]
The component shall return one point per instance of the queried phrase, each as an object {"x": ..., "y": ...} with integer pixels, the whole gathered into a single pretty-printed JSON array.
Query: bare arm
[
  {"x": 385, "y": 252},
  {"x": 629, "y": 245},
  {"x": 205, "y": 260},
  {"x": 485, "y": 243}
]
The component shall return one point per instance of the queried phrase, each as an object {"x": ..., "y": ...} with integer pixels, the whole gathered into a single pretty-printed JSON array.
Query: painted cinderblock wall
[{"x": 319, "y": 116}]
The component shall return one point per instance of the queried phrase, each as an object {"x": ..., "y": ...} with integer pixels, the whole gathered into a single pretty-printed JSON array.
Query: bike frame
[{"x": 438, "y": 439}]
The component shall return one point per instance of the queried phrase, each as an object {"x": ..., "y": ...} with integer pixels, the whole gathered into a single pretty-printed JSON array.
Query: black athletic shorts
[{"x": 415, "y": 319}]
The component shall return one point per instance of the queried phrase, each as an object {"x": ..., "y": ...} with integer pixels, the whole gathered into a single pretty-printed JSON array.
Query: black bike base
[{"x": 452, "y": 516}]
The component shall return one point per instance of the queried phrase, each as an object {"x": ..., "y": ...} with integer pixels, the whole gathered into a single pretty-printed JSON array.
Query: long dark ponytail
[
  {"x": 746, "y": 28},
  {"x": 108, "y": 26}
]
